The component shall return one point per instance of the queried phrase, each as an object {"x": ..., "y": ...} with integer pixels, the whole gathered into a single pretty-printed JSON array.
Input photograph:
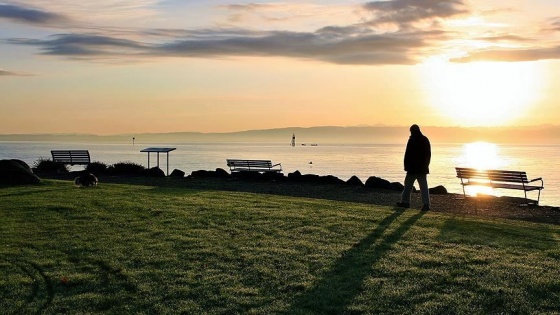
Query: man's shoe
[
  {"x": 403, "y": 204},
  {"x": 426, "y": 208}
]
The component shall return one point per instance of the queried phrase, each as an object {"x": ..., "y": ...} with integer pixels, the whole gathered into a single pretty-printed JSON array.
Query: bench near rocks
[
  {"x": 71, "y": 157},
  {"x": 260, "y": 166},
  {"x": 499, "y": 179}
]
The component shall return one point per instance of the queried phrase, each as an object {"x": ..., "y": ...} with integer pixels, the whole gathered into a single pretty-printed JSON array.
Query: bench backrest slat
[
  {"x": 71, "y": 156},
  {"x": 250, "y": 163},
  {"x": 492, "y": 175}
]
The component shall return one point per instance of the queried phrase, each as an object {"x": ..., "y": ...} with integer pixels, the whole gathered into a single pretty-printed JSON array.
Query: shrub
[
  {"x": 96, "y": 167},
  {"x": 48, "y": 166},
  {"x": 127, "y": 168}
]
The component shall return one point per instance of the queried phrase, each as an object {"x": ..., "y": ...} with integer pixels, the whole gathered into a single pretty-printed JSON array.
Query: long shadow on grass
[{"x": 337, "y": 288}]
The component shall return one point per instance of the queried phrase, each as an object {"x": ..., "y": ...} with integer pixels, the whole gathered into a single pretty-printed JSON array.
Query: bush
[
  {"x": 127, "y": 168},
  {"x": 96, "y": 168},
  {"x": 48, "y": 166}
]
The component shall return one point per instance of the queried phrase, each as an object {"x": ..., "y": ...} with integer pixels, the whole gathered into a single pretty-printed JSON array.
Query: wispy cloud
[
  {"x": 384, "y": 32},
  {"x": 29, "y": 15},
  {"x": 532, "y": 54},
  {"x": 555, "y": 25},
  {"x": 272, "y": 12},
  {"x": 70, "y": 13},
  {"x": 11, "y": 73},
  {"x": 521, "y": 48},
  {"x": 397, "y": 48},
  {"x": 404, "y": 13}
]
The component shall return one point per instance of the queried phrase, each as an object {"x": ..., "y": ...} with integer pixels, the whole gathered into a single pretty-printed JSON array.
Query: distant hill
[{"x": 548, "y": 134}]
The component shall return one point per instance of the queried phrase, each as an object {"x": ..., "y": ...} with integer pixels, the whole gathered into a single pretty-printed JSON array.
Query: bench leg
[{"x": 527, "y": 203}]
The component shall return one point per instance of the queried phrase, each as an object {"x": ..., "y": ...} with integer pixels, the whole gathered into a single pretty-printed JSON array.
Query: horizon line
[{"x": 271, "y": 129}]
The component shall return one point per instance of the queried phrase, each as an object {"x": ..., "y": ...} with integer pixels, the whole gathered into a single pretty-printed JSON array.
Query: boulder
[
  {"x": 156, "y": 172},
  {"x": 86, "y": 179},
  {"x": 438, "y": 190},
  {"x": 354, "y": 181},
  {"x": 273, "y": 176},
  {"x": 16, "y": 172},
  {"x": 330, "y": 180},
  {"x": 221, "y": 173},
  {"x": 397, "y": 186},
  {"x": 377, "y": 183},
  {"x": 294, "y": 177},
  {"x": 309, "y": 178},
  {"x": 202, "y": 174},
  {"x": 177, "y": 173}
]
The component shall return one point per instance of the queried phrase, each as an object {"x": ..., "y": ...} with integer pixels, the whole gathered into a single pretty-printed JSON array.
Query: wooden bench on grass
[
  {"x": 499, "y": 179},
  {"x": 253, "y": 166},
  {"x": 71, "y": 157}
]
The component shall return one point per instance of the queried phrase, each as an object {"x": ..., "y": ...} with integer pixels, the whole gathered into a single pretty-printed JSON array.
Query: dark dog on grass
[{"x": 86, "y": 180}]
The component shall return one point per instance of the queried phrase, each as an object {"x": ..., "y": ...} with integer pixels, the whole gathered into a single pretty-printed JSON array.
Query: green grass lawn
[{"x": 146, "y": 249}]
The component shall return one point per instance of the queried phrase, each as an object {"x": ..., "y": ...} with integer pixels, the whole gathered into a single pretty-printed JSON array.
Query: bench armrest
[
  {"x": 537, "y": 179},
  {"x": 279, "y": 164}
]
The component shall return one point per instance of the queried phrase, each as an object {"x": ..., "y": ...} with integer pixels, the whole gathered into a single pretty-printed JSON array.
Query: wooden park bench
[
  {"x": 253, "y": 166},
  {"x": 499, "y": 179},
  {"x": 71, "y": 157}
]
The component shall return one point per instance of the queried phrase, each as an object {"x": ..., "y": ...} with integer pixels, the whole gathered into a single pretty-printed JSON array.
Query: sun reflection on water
[{"x": 483, "y": 156}]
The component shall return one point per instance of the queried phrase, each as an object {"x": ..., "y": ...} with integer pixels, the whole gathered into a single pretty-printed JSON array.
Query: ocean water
[{"x": 342, "y": 161}]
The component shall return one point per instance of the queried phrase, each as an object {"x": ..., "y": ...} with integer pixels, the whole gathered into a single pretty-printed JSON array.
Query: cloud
[
  {"x": 406, "y": 12},
  {"x": 11, "y": 73},
  {"x": 400, "y": 32},
  {"x": 29, "y": 15},
  {"x": 84, "y": 45},
  {"x": 555, "y": 24},
  {"x": 286, "y": 12},
  {"x": 512, "y": 55},
  {"x": 340, "y": 48},
  {"x": 544, "y": 50}
]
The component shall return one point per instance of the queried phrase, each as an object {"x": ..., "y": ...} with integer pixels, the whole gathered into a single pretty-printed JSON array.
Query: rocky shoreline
[{"x": 375, "y": 190}]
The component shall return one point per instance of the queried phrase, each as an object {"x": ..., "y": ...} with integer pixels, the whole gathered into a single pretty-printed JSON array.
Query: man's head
[{"x": 414, "y": 129}]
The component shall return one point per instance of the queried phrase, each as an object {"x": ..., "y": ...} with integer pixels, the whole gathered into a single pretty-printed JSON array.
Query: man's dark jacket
[{"x": 418, "y": 154}]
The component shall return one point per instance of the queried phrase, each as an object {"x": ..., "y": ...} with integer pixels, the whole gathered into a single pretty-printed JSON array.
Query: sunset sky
[{"x": 128, "y": 66}]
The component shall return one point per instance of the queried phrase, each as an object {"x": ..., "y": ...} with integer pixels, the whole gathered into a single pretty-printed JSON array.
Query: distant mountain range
[{"x": 546, "y": 134}]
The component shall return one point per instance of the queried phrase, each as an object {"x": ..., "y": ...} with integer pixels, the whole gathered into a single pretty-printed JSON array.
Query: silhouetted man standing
[{"x": 416, "y": 164}]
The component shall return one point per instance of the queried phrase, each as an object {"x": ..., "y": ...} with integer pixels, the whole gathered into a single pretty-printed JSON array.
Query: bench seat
[
  {"x": 499, "y": 179},
  {"x": 260, "y": 166},
  {"x": 71, "y": 157}
]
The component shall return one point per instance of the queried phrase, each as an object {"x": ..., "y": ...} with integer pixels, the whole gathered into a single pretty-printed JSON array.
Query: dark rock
[
  {"x": 156, "y": 172},
  {"x": 17, "y": 172},
  {"x": 294, "y": 177},
  {"x": 309, "y": 178},
  {"x": 397, "y": 186},
  {"x": 221, "y": 173},
  {"x": 203, "y": 174},
  {"x": 354, "y": 181},
  {"x": 438, "y": 190},
  {"x": 86, "y": 179},
  {"x": 377, "y": 183},
  {"x": 297, "y": 177},
  {"x": 177, "y": 173},
  {"x": 247, "y": 175},
  {"x": 273, "y": 176},
  {"x": 330, "y": 180}
]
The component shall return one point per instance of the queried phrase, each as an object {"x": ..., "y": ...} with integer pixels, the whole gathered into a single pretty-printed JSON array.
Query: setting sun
[{"x": 483, "y": 93}]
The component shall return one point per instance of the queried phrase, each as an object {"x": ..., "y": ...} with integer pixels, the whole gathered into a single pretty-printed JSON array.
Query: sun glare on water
[
  {"x": 482, "y": 93},
  {"x": 481, "y": 155}
]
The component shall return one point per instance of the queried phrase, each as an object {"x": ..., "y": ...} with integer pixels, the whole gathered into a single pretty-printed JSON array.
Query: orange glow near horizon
[{"x": 483, "y": 93}]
